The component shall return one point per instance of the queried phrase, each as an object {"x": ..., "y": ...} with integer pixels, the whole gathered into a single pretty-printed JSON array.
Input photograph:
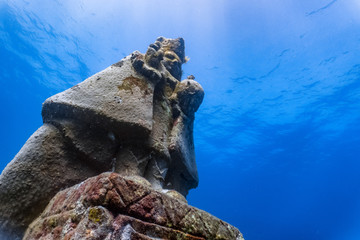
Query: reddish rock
[{"x": 111, "y": 207}]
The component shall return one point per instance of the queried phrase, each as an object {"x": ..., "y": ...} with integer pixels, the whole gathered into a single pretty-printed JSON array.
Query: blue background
[{"x": 277, "y": 136}]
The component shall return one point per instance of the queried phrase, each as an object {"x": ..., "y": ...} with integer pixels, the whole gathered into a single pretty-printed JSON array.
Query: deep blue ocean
[{"x": 277, "y": 137}]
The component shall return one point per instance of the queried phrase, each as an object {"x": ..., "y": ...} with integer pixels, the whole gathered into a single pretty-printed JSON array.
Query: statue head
[{"x": 168, "y": 52}]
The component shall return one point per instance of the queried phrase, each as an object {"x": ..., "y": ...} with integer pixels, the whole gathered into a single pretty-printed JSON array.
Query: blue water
[{"x": 277, "y": 136}]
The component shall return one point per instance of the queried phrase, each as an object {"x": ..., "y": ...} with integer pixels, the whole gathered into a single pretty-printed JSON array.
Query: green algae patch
[
  {"x": 95, "y": 215},
  {"x": 52, "y": 222},
  {"x": 129, "y": 83}
]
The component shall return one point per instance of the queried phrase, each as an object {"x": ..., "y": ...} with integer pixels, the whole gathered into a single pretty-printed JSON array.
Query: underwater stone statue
[{"x": 134, "y": 118}]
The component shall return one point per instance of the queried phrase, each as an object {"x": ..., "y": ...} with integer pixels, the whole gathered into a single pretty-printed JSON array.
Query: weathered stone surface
[
  {"x": 190, "y": 95},
  {"x": 186, "y": 100},
  {"x": 134, "y": 118},
  {"x": 118, "y": 99},
  {"x": 23, "y": 183},
  {"x": 109, "y": 206}
]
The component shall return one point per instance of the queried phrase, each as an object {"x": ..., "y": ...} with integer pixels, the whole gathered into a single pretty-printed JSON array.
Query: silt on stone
[{"x": 135, "y": 118}]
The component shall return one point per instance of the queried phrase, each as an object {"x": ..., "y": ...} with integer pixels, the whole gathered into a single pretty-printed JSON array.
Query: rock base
[{"x": 111, "y": 207}]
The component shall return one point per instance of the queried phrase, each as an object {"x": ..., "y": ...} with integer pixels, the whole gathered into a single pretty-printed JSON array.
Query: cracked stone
[{"x": 97, "y": 209}]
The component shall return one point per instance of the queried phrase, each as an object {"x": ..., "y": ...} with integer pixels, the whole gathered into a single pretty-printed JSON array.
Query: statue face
[
  {"x": 170, "y": 52},
  {"x": 172, "y": 63}
]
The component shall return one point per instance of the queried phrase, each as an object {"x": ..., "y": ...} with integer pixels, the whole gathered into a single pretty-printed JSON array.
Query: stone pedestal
[{"x": 111, "y": 207}]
